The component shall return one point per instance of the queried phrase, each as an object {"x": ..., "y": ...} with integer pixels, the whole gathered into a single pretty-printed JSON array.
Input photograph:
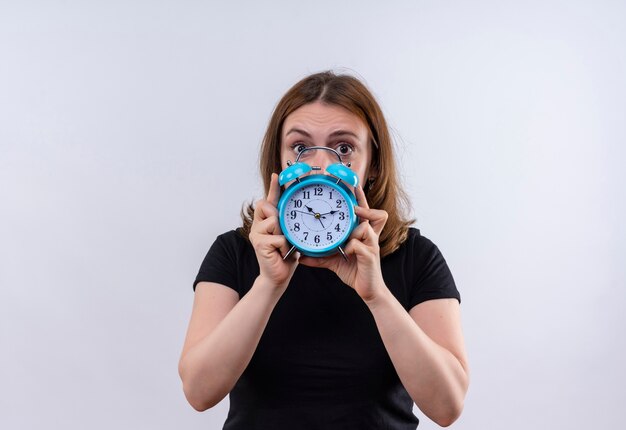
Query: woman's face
[{"x": 319, "y": 124}]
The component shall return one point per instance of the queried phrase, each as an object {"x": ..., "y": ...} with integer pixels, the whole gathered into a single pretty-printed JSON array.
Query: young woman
[{"x": 327, "y": 343}]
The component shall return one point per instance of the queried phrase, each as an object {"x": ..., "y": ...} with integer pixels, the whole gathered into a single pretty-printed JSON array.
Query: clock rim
[{"x": 326, "y": 180}]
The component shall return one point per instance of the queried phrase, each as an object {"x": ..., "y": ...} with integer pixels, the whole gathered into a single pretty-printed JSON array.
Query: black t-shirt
[{"x": 321, "y": 363}]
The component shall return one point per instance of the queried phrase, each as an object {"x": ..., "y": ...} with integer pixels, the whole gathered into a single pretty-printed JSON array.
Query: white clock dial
[{"x": 317, "y": 216}]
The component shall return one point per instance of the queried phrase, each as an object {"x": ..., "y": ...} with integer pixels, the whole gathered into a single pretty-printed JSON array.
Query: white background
[{"x": 129, "y": 136}]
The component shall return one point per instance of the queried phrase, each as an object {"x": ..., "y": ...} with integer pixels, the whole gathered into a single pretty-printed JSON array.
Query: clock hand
[
  {"x": 331, "y": 212},
  {"x": 320, "y": 220},
  {"x": 306, "y": 213},
  {"x": 316, "y": 215}
]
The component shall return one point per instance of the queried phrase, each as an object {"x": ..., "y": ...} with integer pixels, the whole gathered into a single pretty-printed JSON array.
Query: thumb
[{"x": 274, "y": 191}]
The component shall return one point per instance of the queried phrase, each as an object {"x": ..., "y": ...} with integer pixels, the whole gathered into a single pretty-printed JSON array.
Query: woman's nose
[{"x": 321, "y": 158}]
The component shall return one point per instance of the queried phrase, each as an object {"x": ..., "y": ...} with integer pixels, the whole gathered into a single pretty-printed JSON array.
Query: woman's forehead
[{"x": 315, "y": 117}]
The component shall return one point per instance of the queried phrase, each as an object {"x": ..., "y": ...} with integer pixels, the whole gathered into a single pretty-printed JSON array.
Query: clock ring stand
[{"x": 340, "y": 172}]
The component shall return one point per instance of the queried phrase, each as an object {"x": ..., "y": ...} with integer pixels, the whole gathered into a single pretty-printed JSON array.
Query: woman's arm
[
  {"x": 427, "y": 350},
  {"x": 426, "y": 344},
  {"x": 222, "y": 336},
  {"x": 225, "y": 331}
]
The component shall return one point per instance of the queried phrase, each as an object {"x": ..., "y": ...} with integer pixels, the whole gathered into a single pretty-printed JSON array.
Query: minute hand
[
  {"x": 306, "y": 213},
  {"x": 331, "y": 213}
]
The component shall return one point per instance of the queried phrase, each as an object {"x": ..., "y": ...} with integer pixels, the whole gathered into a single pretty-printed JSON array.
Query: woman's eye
[
  {"x": 299, "y": 148},
  {"x": 345, "y": 149}
]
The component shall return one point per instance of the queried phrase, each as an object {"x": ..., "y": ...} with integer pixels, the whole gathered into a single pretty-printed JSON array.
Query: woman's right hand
[{"x": 268, "y": 241}]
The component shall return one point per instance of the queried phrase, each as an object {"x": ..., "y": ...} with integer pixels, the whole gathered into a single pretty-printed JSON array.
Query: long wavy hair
[{"x": 349, "y": 93}]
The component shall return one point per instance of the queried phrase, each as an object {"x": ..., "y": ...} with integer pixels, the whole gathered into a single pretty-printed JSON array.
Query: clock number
[
  {"x": 342, "y": 215},
  {"x": 307, "y": 194},
  {"x": 331, "y": 195},
  {"x": 318, "y": 191},
  {"x": 337, "y": 228},
  {"x": 306, "y": 235},
  {"x": 296, "y": 227},
  {"x": 293, "y": 214},
  {"x": 317, "y": 238},
  {"x": 338, "y": 203},
  {"x": 298, "y": 203},
  {"x": 329, "y": 236}
]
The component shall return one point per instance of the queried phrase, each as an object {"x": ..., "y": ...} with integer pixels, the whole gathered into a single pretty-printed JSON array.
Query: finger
[
  {"x": 269, "y": 225},
  {"x": 274, "y": 191},
  {"x": 294, "y": 255},
  {"x": 284, "y": 250},
  {"x": 358, "y": 249},
  {"x": 360, "y": 197},
  {"x": 267, "y": 244},
  {"x": 272, "y": 243},
  {"x": 282, "y": 246},
  {"x": 365, "y": 233},
  {"x": 376, "y": 217},
  {"x": 263, "y": 210}
]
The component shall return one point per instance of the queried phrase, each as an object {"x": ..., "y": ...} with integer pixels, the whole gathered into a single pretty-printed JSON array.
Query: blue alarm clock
[{"x": 316, "y": 212}]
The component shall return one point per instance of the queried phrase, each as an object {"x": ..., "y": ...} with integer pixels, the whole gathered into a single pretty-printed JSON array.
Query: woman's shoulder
[
  {"x": 232, "y": 244},
  {"x": 416, "y": 249},
  {"x": 419, "y": 266},
  {"x": 233, "y": 238},
  {"x": 415, "y": 240},
  {"x": 229, "y": 259}
]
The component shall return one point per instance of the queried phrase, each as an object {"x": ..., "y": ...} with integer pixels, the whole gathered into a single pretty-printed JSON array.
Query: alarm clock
[{"x": 316, "y": 212}]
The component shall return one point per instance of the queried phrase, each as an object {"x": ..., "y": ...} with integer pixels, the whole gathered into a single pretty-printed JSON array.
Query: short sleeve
[
  {"x": 220, "y": 263},
  {"x": 432, "y": 276}
]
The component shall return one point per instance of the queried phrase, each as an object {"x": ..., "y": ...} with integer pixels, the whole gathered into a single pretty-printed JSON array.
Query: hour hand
[{"x": 309, "y": 209}]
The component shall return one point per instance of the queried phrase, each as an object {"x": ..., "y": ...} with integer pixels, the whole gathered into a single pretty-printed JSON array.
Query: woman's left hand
[{"x": 362, "y": 269}]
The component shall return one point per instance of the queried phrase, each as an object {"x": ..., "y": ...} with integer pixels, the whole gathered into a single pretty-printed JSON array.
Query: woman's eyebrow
[
  {"x": 298, "y": 130},
  {"x": 343, "y": 133},
  {"x": 336, "y": 133}
]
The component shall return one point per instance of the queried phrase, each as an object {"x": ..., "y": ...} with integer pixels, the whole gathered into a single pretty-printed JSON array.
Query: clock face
[{"x": 317, "y": 216}]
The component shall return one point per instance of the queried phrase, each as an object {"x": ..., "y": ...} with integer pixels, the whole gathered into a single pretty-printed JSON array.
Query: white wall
[{"x": 128, "y": 141}]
